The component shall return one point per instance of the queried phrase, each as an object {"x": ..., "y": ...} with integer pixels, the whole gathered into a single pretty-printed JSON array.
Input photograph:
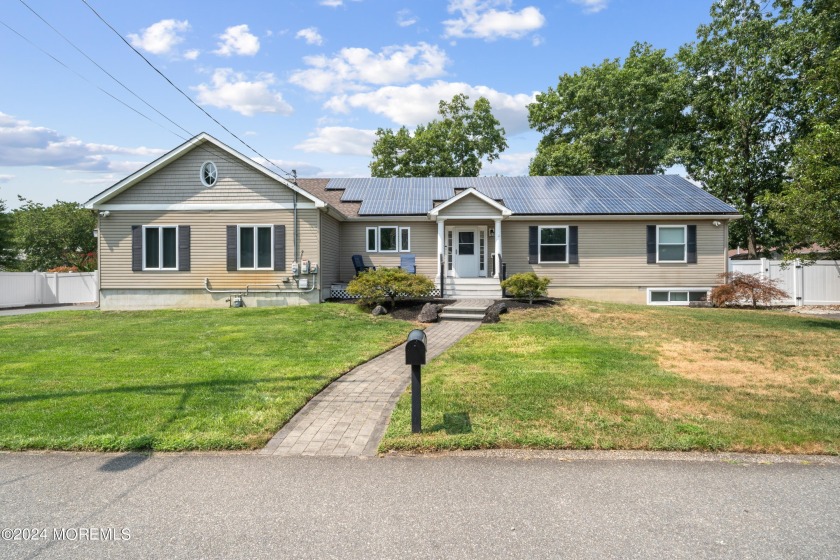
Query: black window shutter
[
  {"x": 279, "y": 247},
  {"x": 184, "y": 248},
  {"x": 232, "y": 257},
  {"x": 651, "y": 244},
  {"x": 533, "y": 244},
  {"x": 691, "y": 253},
  {"x": 573, "y": 245},
  {"x": 136, "y": 248}
]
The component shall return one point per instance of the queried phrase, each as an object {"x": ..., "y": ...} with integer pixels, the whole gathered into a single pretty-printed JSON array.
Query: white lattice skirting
[{"x": 340, "y": 292}]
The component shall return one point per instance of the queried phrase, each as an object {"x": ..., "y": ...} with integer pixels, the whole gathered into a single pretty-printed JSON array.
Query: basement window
[{"x": 676, "y": 296}]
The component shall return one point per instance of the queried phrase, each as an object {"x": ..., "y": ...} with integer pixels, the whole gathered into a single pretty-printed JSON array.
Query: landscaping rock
[
  {"x": 379, "y": 310},
  {"x": 429, "y": 313},
  {"x": 493, "y": 312}
]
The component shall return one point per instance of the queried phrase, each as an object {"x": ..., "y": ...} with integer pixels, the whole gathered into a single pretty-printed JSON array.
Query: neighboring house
[{"x": 203, "y": 224}]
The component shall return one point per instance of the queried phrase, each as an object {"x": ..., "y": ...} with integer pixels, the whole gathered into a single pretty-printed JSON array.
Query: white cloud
[
  {"x": 192, "y": 54},
  {"x": 481, "y": 20},
  {"x": 509, "y": 164},
  {"x": 416, "y": 104},
  {"x": 160, "y": 37},
  {"x": 6, "y": 178},
  {"x": 310, "y": 35},
  {"x": 22, "y": 144},
  {"x": 232, "y": 90},
  {"x": 592, "y": 6},
  {"x": 332, "y": 3},
  {"x": 238, "y": 40},
  {"x": 341, "y": 140},
  {"x": 406, "y": 19},
  {"x": 351, "y": 68}
]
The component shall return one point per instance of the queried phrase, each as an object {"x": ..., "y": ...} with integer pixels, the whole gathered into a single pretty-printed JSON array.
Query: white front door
[{"x": 465, "y": 252}]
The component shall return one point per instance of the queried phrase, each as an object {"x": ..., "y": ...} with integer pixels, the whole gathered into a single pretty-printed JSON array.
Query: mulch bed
[
  {"x": 405, "y": 310},
  {"x": 523, "y": 303},
  {"x": 409, "y": 309}
]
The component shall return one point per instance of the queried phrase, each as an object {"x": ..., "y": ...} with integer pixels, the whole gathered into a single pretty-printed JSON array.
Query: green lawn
[
  {"x": 594, "y": 375},
  {"x": 175, "y": 379}
]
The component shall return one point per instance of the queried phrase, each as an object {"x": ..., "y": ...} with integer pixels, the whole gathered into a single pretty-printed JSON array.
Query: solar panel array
[{"x": 609, "y": 194}]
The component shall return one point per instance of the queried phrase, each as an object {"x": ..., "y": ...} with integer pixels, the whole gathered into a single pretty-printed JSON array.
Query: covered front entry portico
[{"x": 469, "y": 243}]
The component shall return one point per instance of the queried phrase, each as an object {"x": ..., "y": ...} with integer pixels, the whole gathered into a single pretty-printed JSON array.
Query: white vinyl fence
[
  {"x": 813, "y": 284},
  {"x": 47, "y": 288}
]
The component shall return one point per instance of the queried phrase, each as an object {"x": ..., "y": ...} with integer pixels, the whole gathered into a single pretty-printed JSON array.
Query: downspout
[{"x": 296, "y": 243}]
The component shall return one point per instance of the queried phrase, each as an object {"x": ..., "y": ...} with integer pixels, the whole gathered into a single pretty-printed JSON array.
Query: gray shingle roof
[{"x": 585, "y": 195}]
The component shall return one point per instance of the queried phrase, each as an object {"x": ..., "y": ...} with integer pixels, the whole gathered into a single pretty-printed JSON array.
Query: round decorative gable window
[{"x": 209, "y": 173}]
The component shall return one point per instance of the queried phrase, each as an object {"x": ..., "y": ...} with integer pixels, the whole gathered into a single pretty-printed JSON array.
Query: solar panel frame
[{"x": 573, "y": 195}]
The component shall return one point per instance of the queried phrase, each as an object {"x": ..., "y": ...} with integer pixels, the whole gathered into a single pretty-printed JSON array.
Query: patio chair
[
  {"x": 407, "y": 263},
  {"x": 359, "y": 264}
]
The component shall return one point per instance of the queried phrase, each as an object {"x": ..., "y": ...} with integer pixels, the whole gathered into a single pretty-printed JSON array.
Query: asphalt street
[{"x": 517, "y": 506}]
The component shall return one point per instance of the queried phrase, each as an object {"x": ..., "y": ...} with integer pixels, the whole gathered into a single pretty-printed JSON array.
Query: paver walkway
[{"x": 349, "y": 417}]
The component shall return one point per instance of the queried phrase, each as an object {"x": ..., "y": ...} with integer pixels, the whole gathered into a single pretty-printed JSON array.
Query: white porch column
[
  {"x": 498, "y": 230},
  {"x": 441, "y": 245}
]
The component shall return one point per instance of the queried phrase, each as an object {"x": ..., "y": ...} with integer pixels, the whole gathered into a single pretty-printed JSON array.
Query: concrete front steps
[
  {"x": 472, "y": 288},
  {"x": 466, "y": 310}
]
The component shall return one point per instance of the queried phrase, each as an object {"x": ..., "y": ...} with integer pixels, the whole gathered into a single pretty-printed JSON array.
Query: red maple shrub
[{"x": 736, "y": 288}]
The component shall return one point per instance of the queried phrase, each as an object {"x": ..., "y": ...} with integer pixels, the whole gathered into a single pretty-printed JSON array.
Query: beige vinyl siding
[
  {"x": 470, "y": 206},
  {"x": 330, "y": 242},
  {"x": 179, "y": 183},
  {"x": 208, "y": 247},
  {"x": 614, "y": 254},
  {"x": 423, "y": 246}
]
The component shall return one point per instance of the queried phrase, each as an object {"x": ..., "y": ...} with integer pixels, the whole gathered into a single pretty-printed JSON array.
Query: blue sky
[{"x": 306, "y": 82}]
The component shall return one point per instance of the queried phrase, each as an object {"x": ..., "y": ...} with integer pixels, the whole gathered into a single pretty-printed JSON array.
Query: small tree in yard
[
  {"x": 737, "y": 287},
  {"x": 526, "y": 285},
  {"x": 375, "y": 286}
]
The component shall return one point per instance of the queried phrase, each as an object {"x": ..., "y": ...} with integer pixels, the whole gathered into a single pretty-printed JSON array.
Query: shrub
[
  {"x": 64, "y": 269},
  {"x": 376, "y": 286},
  {"x": 526, "y": 285},
  {"x": 737, "y": 287}
]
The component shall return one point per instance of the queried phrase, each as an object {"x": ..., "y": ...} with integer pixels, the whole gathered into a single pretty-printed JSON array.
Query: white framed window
[
  {"x": 255, "y": 247},
  {"x": 388, "y": 239},
  {"x": 449, "y": 250},
  {"x": 554, "y": 244},
  {"x": 671, "y": 244},
  {"x": 372, "y": 239},
  {"x": 405, "y": 240},
  {"x": 676, "y": 296},
  {"x": 160, "y": 247},
  {"x": 209, "y": 174}
]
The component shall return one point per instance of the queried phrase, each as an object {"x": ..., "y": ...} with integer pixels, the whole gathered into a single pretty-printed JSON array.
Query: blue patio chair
[
  {"x": 359, "y": 264},
  {"x": 407, "y": 263}
]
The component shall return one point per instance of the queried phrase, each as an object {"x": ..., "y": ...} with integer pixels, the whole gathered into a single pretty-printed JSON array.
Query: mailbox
[{"x": 415, "y": 348}]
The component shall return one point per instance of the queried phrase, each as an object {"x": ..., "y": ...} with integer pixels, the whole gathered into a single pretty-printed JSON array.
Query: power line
[
  {"x": 189, "y": 134},
  {"x": 83, "y": 53},
  {"x": 109, "y": 94},
  {"x": 190, "y": 99}
]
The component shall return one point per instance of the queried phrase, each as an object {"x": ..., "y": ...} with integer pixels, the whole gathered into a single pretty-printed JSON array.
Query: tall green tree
[
  {"x": 53, "y": 236},
  {"x": 808, "y": 208},
  {"x": 6, "y": 249},
  {"x": 452, "y": 146},
  {"x": 612, "y": 118},
  {"x": 742, "y": 87}
]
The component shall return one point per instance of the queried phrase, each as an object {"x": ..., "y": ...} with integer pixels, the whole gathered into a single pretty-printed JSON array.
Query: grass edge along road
[
  {"x": 172, "y": 380},
  {"x": 587, "y": 375}
]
